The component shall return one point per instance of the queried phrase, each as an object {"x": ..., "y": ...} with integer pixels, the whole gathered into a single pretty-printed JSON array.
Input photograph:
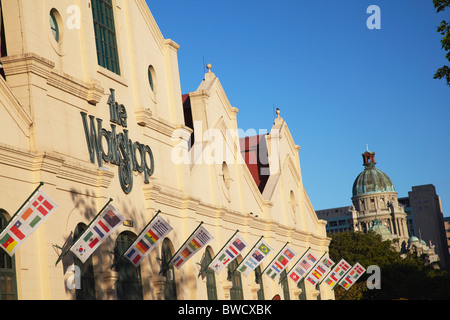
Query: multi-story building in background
[
  {"x": 426, "y": 219},
  {"x": 416, "y": 220},
  {"x": 447, "y": 231}
]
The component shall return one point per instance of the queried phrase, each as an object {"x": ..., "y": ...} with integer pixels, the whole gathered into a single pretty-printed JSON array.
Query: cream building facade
[{"x": 91, "y": 105}]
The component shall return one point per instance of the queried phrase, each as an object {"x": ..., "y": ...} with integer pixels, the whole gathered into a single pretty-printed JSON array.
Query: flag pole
[
  {"x": 26, "y": 201},
  {"x": 281, "y": 280},
  {"x": 143, "y": 230},
  {"x": 260, "y": 276},
  {"x": 168, "y": 263},
  {"x": 229, "y": 275},
  {"x": 203, "y": 270},
  {"x": 63, "y": 254}
]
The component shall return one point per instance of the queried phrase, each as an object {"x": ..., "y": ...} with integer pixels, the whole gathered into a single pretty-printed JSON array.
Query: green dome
[
  {"x": 371, "y": 180},
  {"x": 380, "y": 229}
]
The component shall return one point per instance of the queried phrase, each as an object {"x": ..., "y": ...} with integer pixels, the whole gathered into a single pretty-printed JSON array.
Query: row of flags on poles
[{"x": 309, "y": 266}]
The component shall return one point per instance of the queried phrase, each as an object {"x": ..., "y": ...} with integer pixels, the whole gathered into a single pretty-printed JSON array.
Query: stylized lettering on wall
[{"x": 119, "y": 149}]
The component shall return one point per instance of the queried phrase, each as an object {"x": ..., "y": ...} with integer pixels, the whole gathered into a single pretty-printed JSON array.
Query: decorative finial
[
  {"x": 278, "y": 112},
  {"x": 209, "y": 66}
]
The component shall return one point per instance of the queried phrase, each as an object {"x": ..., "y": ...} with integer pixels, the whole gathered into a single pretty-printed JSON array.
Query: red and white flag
[
  {"x": 27, "y": 220},
  {"x": 337, "y": 273},
  {"x": 352, "y": 276}
]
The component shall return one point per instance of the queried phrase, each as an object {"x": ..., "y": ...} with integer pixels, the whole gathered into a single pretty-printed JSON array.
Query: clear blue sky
[{"x": 339, "y": 85}]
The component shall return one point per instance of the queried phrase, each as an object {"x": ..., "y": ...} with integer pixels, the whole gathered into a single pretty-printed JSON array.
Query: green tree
[
  {"x": 403, "y": 276},
  {"x": 444, "y": 29}
]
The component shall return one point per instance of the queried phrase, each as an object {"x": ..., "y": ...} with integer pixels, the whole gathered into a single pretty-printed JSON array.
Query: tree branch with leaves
[{"x": 444, "y": 29}]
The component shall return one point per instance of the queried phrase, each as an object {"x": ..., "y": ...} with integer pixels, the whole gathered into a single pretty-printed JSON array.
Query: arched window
[
  {"x": 236, "y": 292},
  {"x": 129, "y": 285},
  {"x": 8, "y": 285},
  {"x": 87, "y": 290},
  {"x": 170, "y": 287},
  {"x": 259, "y": 276},
  {"x": 210, "y": 277}
]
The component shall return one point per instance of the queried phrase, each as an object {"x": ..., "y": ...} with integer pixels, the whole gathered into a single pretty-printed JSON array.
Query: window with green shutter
[
  {"x": 8, "y": 285},
  {"x": 236, "y": 291},
  {"x": 285, "y": 285},
  {"x": 259, "y": 276},
  {"x": 210, "y": 277},
  {"x": 105, "y": 35},
  {"x": 129, "y": 285}
]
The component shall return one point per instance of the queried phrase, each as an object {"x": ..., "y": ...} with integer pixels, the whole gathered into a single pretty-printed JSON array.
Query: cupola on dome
[{"x": 371, "y": 180}]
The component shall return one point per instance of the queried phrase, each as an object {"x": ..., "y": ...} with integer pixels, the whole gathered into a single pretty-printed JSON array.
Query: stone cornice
[
  {"x": 91, "y": 92},
  {"x": 32, "y": 63}
]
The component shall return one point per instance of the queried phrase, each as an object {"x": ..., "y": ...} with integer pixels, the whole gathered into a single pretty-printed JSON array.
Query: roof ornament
[{"x": 209, "y": 66}]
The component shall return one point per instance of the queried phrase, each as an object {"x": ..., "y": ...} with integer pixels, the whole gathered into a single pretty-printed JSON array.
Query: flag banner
[
  {"x": 26, "y": 221},
  {"x": 323, "y": 266},
  {"x": 233, "y": 248},
  {"x": 337, "y": 273},
  {"x": 280, "y": 262},
  {"x": 156, "y": 231},
  {"x": 303, "y": 266},
  {"x": 198, "y": 240},
  {"x": 255, "y": 257},
  {"x": 352, "y": 276},
  {"x": 99, "y": 230}
]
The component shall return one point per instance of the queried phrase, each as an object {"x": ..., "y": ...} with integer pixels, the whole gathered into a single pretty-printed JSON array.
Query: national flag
[
  {"x": 264, "y": 248},
  {"x": 26, "y": 221},
  {"x": 337, "y": 273},
  {"x": 352, "y": 276},
  {"x": 199, "y": 239},
  {"x": 320, "y": 269},
  {"x": 255, "y": 257},
  {"x": 258, "y": 256},
  {"x": 311, "y": 280},
  {"x": 148, "y": 239},
  {"x": 100, "y": 229},
  {"x": 239, "y": 244},
  {"x": 186, "y": 252},
  {"x": 289, "y": 254},
  {"x": 303, "y": 266},
  {"x": 142, "y": 246},
  {"x": 294, "y": 276},
  {"x": 8, "y": 242},
  {"x": 280, "y": 262},
  {"x": 151, "y": 237},
  {"x": 194, "y": 244},
  {"x": 231, "y": 250},
  {"x": 16, "y": 230}
]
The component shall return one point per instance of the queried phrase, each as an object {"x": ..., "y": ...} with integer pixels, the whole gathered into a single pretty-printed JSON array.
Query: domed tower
[{"x": 375, "y": 200}]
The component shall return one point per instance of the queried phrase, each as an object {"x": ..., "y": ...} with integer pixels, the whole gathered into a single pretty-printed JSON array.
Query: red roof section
[{"x": 254, "y": 152}]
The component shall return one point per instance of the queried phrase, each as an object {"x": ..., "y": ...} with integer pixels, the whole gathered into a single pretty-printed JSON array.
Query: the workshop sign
[{"x": 111, "y": 146}]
